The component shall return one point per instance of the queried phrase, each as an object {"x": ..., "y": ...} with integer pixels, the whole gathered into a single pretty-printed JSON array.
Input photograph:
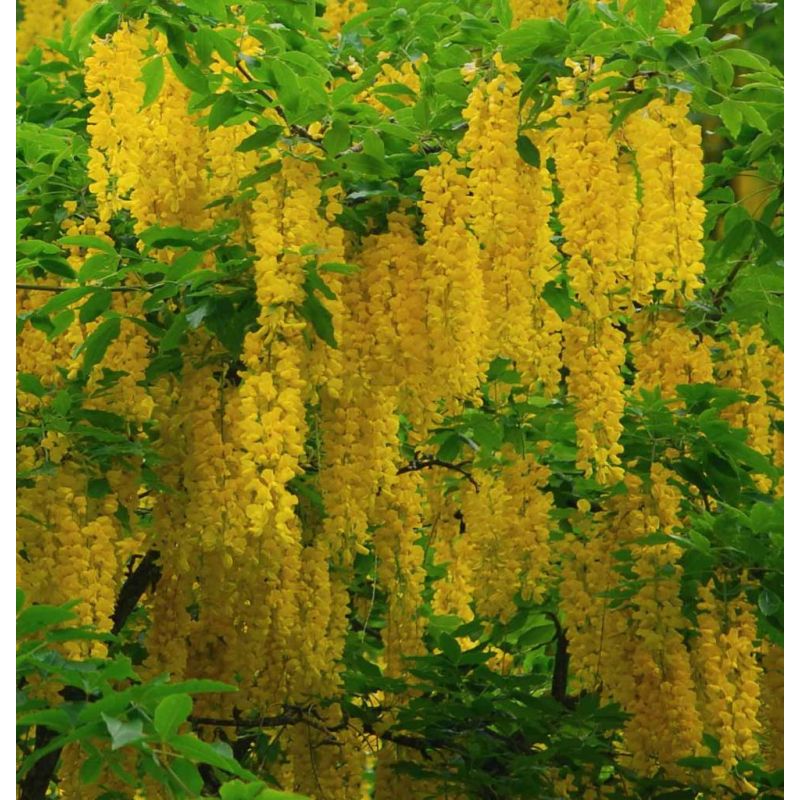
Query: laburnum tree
[{"x": 400, "y": 399}]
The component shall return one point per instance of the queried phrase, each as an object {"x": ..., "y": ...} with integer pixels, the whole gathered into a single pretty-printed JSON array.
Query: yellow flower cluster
[
  {"x": 457, "y": 326},
  {"x": 440, "y": 291},
  {"x": 338, "y": 12},
  {"x": 594, "y": 352},
  {"x": 597, "y": 212},
  {"x": 44, "y": 19},
  {"x": 400, "y": 570},
  {"x": 634, "y": 652},
  {"x": 538, "y": 9},
  {"x": 455, "y": 550},
  {"x": 147, "y": 160},
  {"x": 667, "y": 354},
  {"x": 508, "y": 210},
  {"x": 730, "y": 675},
  {"x": 745, "y": 367},
  {"x": 669, "y": 249},
  {"x": 154, "y": 161},
  {"x": 68, "y": 549},
  {"x": 507, "y": 524},
  {"x": 678, "y": 15}
]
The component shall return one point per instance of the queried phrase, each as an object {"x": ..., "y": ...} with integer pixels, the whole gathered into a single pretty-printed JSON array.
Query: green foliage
[
  {"x": 490, "y": 732},
  {"x": 109, "y": 712}
]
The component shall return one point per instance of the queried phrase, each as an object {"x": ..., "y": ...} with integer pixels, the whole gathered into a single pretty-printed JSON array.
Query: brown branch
[
  {"x": 426, "y": 463},
  {"x": 561, "y": 666},
  {"x": 297, "y": 130},
  {"x": 295, "y": 715},
  {"x": 723, "y": 289},
  {"x": 36, "y": 782},
  {"x": 144, "y": 577},
  {"x": 32, "y": 287}
]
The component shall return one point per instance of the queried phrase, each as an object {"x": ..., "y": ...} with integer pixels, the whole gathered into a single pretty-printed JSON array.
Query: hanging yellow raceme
[
  {"x": 597, "y": 213},
  {"x": 594, "y": 352},
  {"x": 44, "y": 19},
  {"x": 667, "y": 354},
  {"x": 508, "y": 210},
  {"x": 456, "y": 317},
  {"x": 678, "y": 15},
  {"x": 669, "y": 158},
  {"x": 149, "y": 160},
  {"x": 728, "y": 677}
]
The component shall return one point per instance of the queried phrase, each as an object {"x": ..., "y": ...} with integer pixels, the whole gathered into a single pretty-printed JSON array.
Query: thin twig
[
  {"x": 297, "y": 130},
  {"x": 32, "y": 287},
  {"x": 426, "y": 463}
]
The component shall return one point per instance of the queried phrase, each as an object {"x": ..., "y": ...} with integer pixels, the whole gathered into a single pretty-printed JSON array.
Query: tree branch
[
  {"x": 145, "y": 576},
  {"x": 32, "y": 287},
  {"x": 36, "y": 782},
  {"x": 297, "y": 130},
  {"x": 558, "y": 687},
  {"x": 426, "y": 463}
]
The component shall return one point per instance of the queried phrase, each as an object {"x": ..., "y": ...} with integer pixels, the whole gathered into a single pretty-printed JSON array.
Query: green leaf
[
  {"x": 197, "y": 686},
  {"x": 188, "y": 775},
  {"x": 88, "y": 242},
  {"x": 99, "y": 302},
  {"x": 536, "y": 636},
  {"x": 628, "y": 107},
  {"x": 61, "y": 322},
  {"x": 35, "y": 247},
  {"x": 89, "y": 24},
  {"x": 289, "y": 93},
  {"x": 123, "y": 732},
  {"x": 450, "y": 647},
  {"x": 61, "y": 403},
  {"x": 171, "y": 713},
  {"x": 30, "y": 384},
  {"x": 343, "y": 269},
  {"x": 337, "y": 137},
  {"x": 90, "y": 770},
  {"x": 96, "y": 344},
  {"x": 236, "y": 790},
  {"x": 197, "y": 750},
  {"x": 98, "y": 266},
  {"x": 261, "y": 139},
  {"x": 97, "y": 488},
  {"x": 54, "y": 718},
  {"x": 731, "y": 115},
  {"x": 189, "y": 75},
  {"x": 61, "y": 300},
  {"x": 260, "y": 175},
  {"x": 38, "y": 617},
  {"x": 225, "y": 106},
  {"x": 212, "y": 8},
  {"x": 649, "y": 14},
  {"x": 153, "y": 79},
  {"x": 769, "y": 603},
  {"x": 745, "y": 59},
  {"x": 172, "y": 338},
  {"x": 373, "y": 145},
  {"x": 725, "y": 7},
  {"x": 533, "y": 38},
  {"x": 528, "y": 151},
  {"x": 320, "y": 318}
]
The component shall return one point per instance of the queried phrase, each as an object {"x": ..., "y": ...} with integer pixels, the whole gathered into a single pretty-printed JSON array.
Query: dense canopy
[{"x": 400, "y": 399}]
